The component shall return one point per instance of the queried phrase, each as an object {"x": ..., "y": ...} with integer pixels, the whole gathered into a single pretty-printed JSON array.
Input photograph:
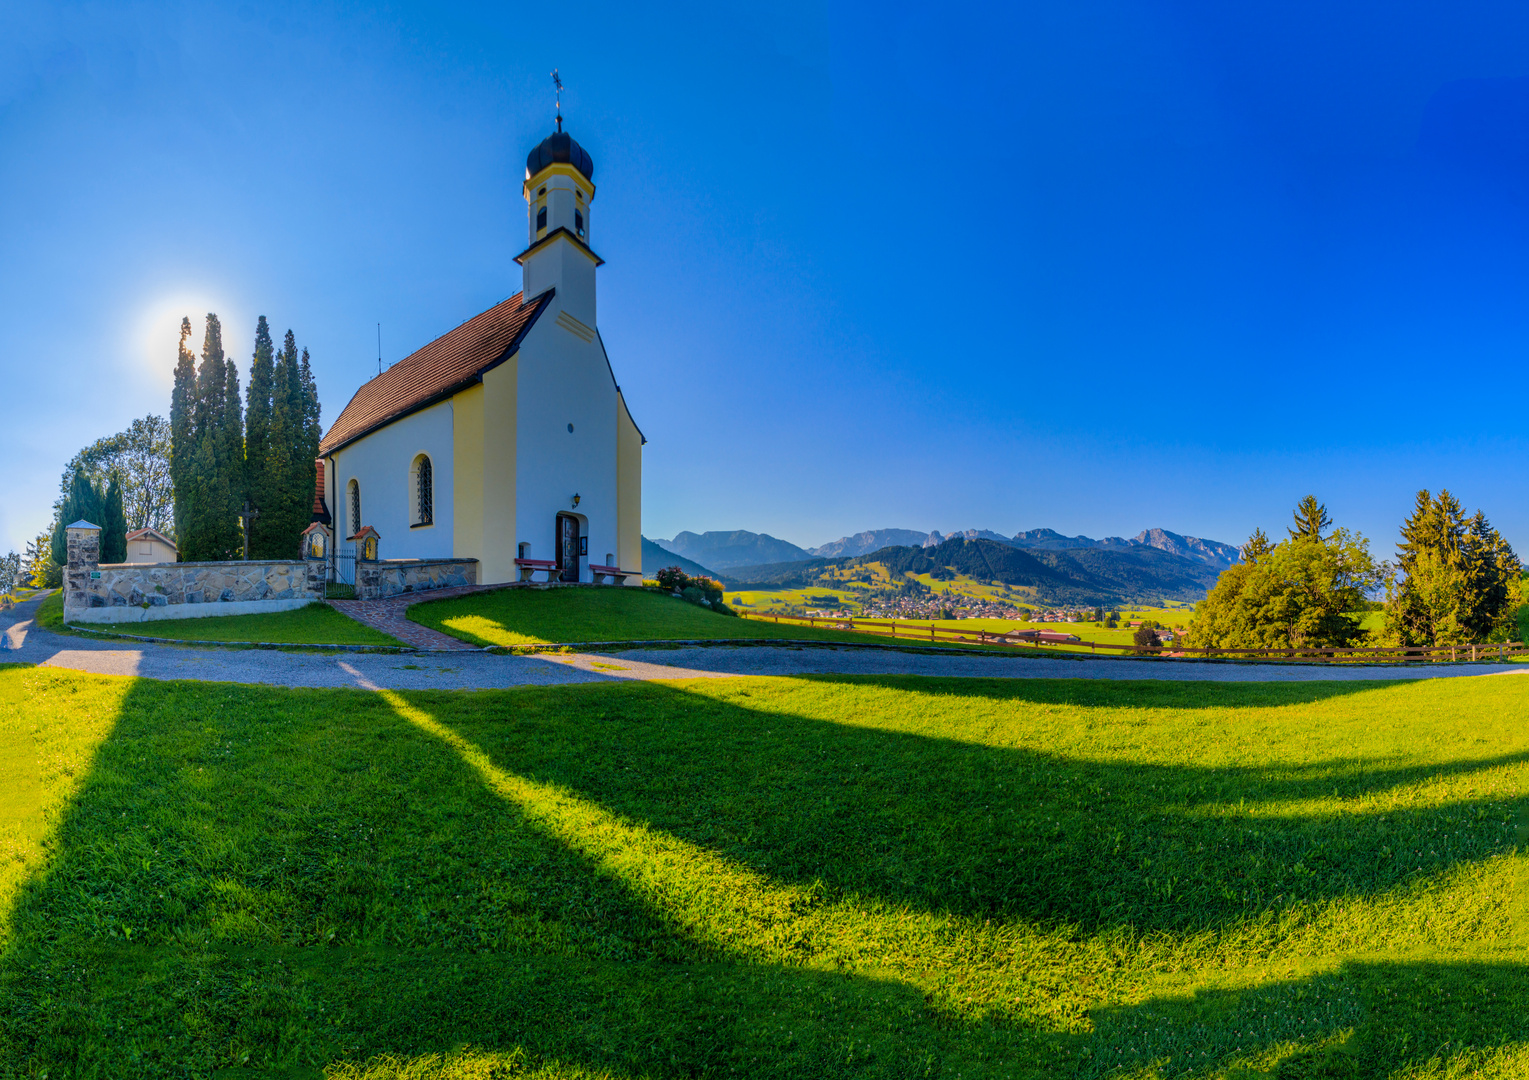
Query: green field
[
  {"x": 811, "y": 877},
  {"x": 316, "y": 624},
  {"x": 516, "y": 617}
]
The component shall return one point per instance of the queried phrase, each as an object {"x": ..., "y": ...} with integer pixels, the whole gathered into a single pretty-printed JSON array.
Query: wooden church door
[{"x": 568, "y": 547}]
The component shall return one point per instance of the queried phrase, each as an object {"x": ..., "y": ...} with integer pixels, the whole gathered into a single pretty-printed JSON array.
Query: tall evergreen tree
[
  {"x": 113, "y": 525},
  {"x": 1256, "y": 548},
  {"x": 259, "y": 480},
  {"x": 1458, "y": 574},
  {"x": 83, "y": 503},
  {"x": 183, "y": 441},
  {"x": 217, "y": 477},
  {"x": 1310, "y": 518},
  {"x": 230, "y": 450},
  {"x": 294, "y": 446}
]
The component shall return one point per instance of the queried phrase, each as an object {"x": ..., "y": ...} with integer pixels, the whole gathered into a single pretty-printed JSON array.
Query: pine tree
[
  {"x": 1457, "y": 576},
  {"x": 114, "y": 525},
  {"x": 1310, "y": 518},
  {"x": 183, "y": 409},
  {"x": 1257, "y": 546},
  {"x": 260, "y": 482}
]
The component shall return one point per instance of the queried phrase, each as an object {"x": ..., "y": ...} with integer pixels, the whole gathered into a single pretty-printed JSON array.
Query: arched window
[
  {"x": 354, "y": 491},
  {"x": 541, "y": 218},
  {"x": 424, "y": 491}
]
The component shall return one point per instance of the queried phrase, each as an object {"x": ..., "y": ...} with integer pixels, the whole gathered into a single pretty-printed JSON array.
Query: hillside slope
[{"x": 1113, "y": 575}]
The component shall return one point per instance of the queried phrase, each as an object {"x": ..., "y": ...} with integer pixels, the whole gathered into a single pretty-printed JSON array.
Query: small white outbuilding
[{"x": 150, "y": 546}]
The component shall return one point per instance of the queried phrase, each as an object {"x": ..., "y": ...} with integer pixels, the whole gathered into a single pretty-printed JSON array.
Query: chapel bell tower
[{"x": 558, "y": 191}]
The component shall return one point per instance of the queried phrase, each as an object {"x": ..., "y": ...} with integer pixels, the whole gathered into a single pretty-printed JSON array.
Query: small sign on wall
[{"x": 94, "y": 575}]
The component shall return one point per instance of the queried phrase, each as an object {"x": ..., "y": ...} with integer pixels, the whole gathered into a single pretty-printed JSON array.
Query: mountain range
[
  {"x": 1073, "y": 576},
  {"x": 733, "y": 551}
]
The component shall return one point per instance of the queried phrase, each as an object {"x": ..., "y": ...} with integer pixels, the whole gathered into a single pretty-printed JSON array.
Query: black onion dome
[{"x": 559, "y": 147}]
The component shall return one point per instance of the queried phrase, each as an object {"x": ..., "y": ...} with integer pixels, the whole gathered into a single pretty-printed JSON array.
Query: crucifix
[
  {"x": 247, "y": 518},
  {"x": 557, "y": 82}
]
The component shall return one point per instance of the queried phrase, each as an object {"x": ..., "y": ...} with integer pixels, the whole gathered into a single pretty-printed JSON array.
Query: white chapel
[{"x": 508, "y": 437}]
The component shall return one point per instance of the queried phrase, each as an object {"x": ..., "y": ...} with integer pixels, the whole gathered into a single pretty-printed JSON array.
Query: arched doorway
[{"x": 569, "y": 546}]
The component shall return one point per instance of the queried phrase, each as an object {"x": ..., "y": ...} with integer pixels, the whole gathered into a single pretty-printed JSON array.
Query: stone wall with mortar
[
  {"x": 129, "y": 592},
  {"x": 148, "y": 592},
  {"x": 394, "y": 577}
]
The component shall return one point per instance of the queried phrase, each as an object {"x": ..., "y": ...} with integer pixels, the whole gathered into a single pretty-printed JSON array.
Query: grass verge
[
  {"x": 316, "y": 624},
  {"x": 815, "y": 877}
]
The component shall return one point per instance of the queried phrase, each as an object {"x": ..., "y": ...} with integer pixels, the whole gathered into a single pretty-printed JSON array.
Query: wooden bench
[
  {"x": 531, "y": 566},
  {"x": 615, "y": 573}
]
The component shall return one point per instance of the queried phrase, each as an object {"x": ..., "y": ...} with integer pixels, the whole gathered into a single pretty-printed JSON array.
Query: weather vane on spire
[{"x": 557, "y": 82}]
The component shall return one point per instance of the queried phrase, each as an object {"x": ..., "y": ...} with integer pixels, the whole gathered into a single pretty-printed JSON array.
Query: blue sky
[{"x": 1092, "y": 266}]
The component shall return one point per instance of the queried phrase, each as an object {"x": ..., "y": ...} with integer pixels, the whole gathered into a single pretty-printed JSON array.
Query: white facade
[
  {"x": 518, "y": 437},
  {"x": 382, "y": 466},
  {"x": 564, "y": 381}
]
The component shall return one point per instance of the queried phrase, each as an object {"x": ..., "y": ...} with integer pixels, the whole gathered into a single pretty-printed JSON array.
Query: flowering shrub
[{"x": 698, "y": 590}]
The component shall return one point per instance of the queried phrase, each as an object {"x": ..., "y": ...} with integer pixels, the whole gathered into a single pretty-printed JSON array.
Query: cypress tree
[
  {"x": 230, "y": 449},
  {"x": 183, "y": 409},
  {"x": 217, "y": 476},
  {"x": 259, "y": 480},
  {"x": 83, "y": 503},
  {"x": 114, "y": 525},
  {"x": 289, "y": 511},
  {"x": 304, "y": 471}
]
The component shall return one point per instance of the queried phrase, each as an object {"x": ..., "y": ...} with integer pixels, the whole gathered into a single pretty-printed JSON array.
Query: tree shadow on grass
[
  {"x": 955, "y": 826},
  {"x": 1365, "y": 1019},
  {"x": 276, "y": 879}
]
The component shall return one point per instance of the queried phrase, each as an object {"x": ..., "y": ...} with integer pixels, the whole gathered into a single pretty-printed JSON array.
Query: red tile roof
[
  {"x": 450, "y": 363},
  {"x": 320, "y": 508}
]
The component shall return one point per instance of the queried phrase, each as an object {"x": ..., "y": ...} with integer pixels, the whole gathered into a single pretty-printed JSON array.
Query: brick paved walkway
[{"x": 388, "y": 616}]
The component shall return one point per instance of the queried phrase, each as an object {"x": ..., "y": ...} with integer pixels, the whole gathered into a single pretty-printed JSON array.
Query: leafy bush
[
  {"x": 698, "y": 590},
  {"x": 672, "y": 577},
  {"x": 1145, "y": 635}
]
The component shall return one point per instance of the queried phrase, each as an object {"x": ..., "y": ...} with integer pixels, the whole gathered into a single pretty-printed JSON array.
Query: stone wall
[
  {"x": 394, "y": 577},
  {"x": 148, "y": 592}
]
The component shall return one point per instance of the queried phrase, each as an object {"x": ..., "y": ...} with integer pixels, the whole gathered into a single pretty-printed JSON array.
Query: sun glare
[{"x": 154, "y": 350}]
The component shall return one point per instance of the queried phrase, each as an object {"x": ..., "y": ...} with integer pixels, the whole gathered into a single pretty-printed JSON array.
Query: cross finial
[{"x": 557, "y": 82}]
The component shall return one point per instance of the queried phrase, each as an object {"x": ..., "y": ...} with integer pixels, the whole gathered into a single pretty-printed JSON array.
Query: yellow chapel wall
[
  {"x": 500, "y": 394},
  {"x": 628, "y": 491},
  {"x": 467, "y": 475},
  {"x": 483, "y": 442}
]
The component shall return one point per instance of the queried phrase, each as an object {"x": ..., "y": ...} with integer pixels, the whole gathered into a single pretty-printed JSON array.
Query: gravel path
[{"x": 21, "y": 641}]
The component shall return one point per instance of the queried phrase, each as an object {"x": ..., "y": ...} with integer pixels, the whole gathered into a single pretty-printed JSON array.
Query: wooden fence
[{"x": 916, "y": 632}]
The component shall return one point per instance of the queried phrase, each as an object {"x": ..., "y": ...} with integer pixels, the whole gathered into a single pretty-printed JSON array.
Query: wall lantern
[{"x": 576, "y": 501}]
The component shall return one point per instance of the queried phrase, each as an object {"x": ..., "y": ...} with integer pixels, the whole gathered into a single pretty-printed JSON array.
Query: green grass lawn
[
  {"x": 812, "y": 877},
  {"x": 316, "y": 624},
  {"x": 513, "y": 617}
]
